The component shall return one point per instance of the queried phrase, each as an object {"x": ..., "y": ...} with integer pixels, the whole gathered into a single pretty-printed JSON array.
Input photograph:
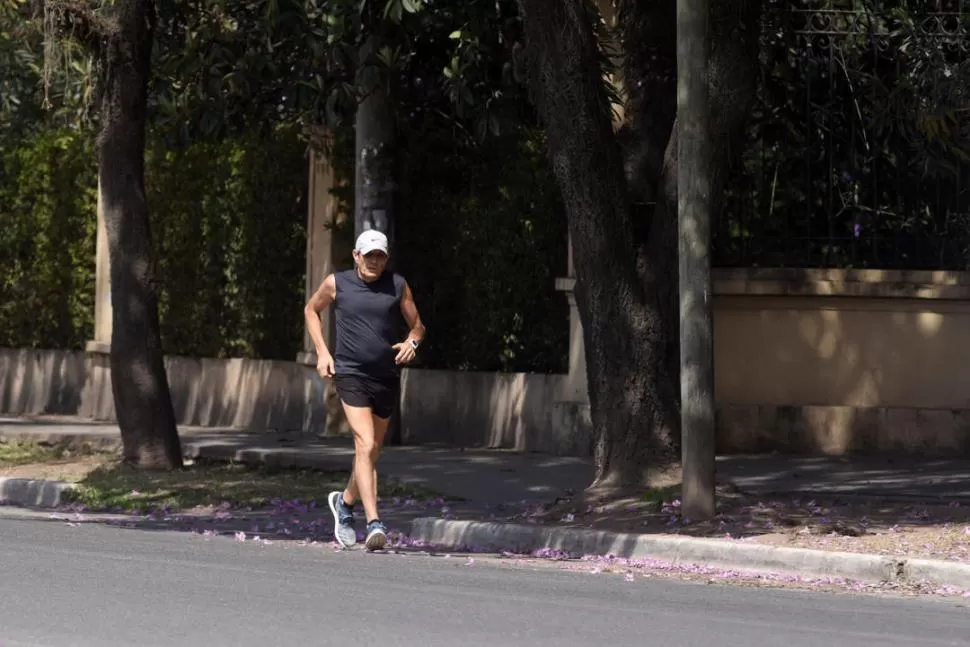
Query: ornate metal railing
[{"x": 859, "y": 150}]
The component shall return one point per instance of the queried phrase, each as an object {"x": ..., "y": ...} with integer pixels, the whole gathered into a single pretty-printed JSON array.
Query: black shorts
[{"x": 358, "y": 391}]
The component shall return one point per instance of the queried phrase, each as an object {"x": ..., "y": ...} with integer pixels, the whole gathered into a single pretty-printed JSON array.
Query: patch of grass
[
  {"x": 104, "y": 482},
  {"x": 657, "y": 496},
  {"x": 116, "y": 486},
  {"x": 13, "y": 454}
]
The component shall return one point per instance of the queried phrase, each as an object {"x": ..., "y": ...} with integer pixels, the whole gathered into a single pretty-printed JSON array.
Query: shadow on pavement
[{"x": 896, "y": 476}]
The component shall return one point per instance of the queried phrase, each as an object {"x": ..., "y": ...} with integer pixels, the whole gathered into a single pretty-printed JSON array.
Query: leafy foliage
[
  {"x": 234, "y": 86},
  {"x": 31, "y": 94},
  {"x": 450, "y": 71},
  {"x": 228, "y": 219},
  {"x": 482, "y": 242},
  {"x": 229, "y": 226},
  {"x": 47, "y": 240},
  {"x": 860, "y": 149},
  {"x": 232, "y": 65}
]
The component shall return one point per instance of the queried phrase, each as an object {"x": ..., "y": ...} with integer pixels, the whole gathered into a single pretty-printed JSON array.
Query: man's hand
[
  {"x": 405, "y": 352},
  {"x": 325, "y": 365}
]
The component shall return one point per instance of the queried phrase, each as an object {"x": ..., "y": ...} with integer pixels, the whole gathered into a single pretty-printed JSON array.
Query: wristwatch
[{"x": 414, "y": 343}]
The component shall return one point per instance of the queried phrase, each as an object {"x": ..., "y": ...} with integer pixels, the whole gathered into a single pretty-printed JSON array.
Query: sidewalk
[
  {"x": 490, "y": 476},
  {"x": 895, "y": 520},
  {"x": 485, "y": 477}
]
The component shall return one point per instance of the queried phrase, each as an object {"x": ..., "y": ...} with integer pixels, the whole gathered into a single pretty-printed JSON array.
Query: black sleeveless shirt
[{"x": 368, "y": 323}]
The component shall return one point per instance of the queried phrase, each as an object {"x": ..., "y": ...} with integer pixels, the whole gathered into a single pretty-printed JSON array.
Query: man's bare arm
[
  {"x": 406, "y": 350},
  {"x": 320, "y": 300},
  {"x": 410, "y": 311}
]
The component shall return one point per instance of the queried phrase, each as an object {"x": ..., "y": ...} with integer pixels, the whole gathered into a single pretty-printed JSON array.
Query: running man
[{"x": 371, "y": 307}]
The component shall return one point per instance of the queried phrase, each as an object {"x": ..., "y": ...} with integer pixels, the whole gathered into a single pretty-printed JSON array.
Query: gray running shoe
[
  {"x": 376, "y": 535},
  {"x": 343, "y": 520}
]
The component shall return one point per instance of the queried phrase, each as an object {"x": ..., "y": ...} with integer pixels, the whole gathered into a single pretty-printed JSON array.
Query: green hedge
[
  {"x": 48, "y": 193},
  {"x": 229, "y": 225},
  {"x": 482, "y": 238}
]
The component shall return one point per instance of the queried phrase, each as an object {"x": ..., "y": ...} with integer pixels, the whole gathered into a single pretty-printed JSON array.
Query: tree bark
[
  {"x": 143, "y": 403},
  {"x": 734, "y": 28},
  {"x": 694, "y": 225},
  {"x": 713, "y": 149},
  {"x": 375, "y": 144},
  {"x": 649, "y": 139},
  {"x": 622, "y": 203},
  {"x": 649, "y": 38},
  {"x": 375, "y": 167},
  {"x": 632, "y": 397}
]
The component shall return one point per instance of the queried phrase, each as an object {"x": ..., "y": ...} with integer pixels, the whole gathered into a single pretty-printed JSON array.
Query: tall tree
[
  {"x": 119, "y": 36},
  {"x": 375, "y": 127},
  {"x": 622, "y": 203}
]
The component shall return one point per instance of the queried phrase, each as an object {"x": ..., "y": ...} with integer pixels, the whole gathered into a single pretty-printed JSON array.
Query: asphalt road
[{"x": 102, "y": 586}]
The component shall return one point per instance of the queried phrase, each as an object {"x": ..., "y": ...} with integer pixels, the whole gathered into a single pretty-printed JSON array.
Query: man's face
[{"x": 371, "y": 265}]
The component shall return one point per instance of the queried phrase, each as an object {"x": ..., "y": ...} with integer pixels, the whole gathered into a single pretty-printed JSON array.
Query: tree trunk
[
  {"x": 376, "y": 162},
  {"x": 622, "y": 204},
  {"x": 375, "y": 144},
  {"x": 649, "y": 139},
  {"x": 632, "y": 397},
  {"x": 732, "y": 88},
  {"x": 734, "y": 30},
  {"x": 143, "y": 403},
  {"x": 694, "y": 225},
  {"x": 650, "y": 78}
]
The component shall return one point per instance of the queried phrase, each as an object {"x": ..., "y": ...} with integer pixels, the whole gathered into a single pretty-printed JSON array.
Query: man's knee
[{"x": 366, "y": 446}]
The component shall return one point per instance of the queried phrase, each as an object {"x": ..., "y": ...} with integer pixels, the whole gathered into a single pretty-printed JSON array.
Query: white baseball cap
[{"x": 371, "y": 240}]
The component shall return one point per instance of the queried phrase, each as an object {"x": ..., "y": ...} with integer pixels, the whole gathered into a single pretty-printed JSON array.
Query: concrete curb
[
  {"x": 33, "y": 492},
  {"x": 937, "y": 571},
  {"x": 734, "y": 555}
]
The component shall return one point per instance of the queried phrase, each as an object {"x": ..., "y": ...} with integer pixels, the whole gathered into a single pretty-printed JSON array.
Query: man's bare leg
[
  {"x": 352, "y": 493},
  {"x": 361, "y": 422}
]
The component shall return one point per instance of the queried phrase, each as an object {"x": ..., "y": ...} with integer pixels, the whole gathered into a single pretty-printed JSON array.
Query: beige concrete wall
[
  {"x": 507, "y": 410},
  {"x": 806, "y": 361},
  {"x": 832, "y": 361},
  {"x": 40, "y": 381},
  {"x": 874, "y": 350},
  {"x": 514, "y": 411},
  {"x": 839, "y": 351},
  {"x": 239, "y": 393}
]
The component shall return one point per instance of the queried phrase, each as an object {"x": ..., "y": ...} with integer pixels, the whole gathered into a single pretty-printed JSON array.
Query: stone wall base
[{"x": 838, "y": 430}]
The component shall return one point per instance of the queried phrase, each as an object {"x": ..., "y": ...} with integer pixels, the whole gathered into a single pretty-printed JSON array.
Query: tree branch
[
  {"x": 80, "y": 20},
  {"x": 650, "y": 78}
]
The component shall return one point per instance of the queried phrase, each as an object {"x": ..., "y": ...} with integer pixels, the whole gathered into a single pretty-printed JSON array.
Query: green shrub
[{"x": 48, "y": 197}]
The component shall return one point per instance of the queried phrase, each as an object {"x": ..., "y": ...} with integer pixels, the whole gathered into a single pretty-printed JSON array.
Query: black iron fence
[{"x": 859, "y": 151}]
